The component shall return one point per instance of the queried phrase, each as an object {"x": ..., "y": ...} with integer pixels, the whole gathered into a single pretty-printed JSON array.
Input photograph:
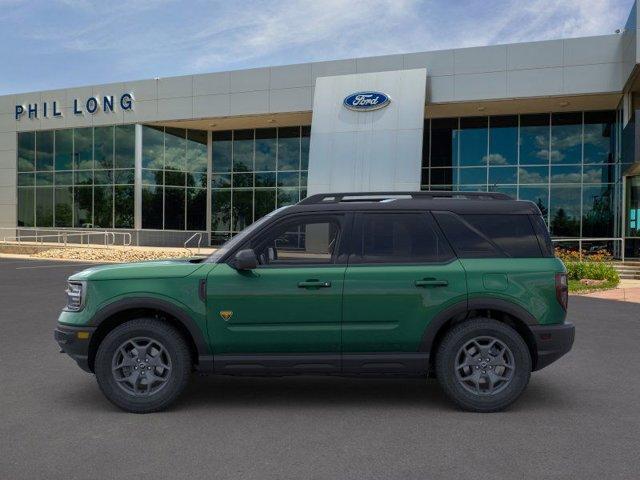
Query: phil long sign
[
  {"x": 91, "y": 105},
  {"x": 366, "y": 101}
]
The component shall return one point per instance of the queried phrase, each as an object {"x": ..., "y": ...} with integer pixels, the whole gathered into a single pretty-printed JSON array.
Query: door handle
[
  {"x": 431, "y": 282},
  {"x": 314, "y": 284}
]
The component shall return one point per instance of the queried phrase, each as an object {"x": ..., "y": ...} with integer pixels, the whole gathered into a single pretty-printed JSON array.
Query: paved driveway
[{"x": 579, "y": 418}]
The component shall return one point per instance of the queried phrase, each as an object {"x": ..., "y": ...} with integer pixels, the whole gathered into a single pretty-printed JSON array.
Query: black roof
[{"x": 457, "y": 202}]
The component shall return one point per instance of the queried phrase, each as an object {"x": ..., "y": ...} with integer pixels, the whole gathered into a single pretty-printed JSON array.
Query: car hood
[{"x": 139, "y": 270}]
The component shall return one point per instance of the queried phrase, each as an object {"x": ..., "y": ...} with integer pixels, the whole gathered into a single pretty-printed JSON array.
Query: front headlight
[{"x": 75, "y": 296}]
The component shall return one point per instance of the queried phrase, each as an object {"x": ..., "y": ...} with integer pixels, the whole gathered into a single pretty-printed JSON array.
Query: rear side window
[
  {"x": 544, "y": 239},
  {"x": 398, "y": 238},
  {"x": 467, "y": 241},
  {"x": 514, "y": 234},
  {"x": 484, "y": 235}
]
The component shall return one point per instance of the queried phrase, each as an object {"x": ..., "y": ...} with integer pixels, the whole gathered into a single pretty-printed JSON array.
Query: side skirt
[{"x": 348, "y": 364}]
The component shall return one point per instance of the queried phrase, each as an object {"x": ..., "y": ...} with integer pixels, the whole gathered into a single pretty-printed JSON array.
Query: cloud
[{"x": 147, "y": 38}]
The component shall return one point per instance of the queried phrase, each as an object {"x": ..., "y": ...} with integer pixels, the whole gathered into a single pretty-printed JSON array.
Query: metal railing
[
  {"x": 76, "y": 238},
  {"x": 582, "y": 241},
  {"x": 197, "y": 235}
]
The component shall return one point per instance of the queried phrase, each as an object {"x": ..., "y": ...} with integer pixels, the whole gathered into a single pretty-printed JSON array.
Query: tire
[
  {"x": 143, "y": 365},
  {"x": 491, "y": 386}
]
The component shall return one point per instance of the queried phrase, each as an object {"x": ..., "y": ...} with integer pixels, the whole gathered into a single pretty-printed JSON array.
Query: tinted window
[
  {"x": 512, "y": 233},
  {"x": 398, "y": 238},
  {"x": 304, "y": 241},
  {"x": 542, "y": 232},
  {"x": 467, "y": 241}
]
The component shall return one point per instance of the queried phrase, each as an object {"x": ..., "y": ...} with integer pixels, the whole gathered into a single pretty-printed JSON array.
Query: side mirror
[{"x": 246, "y": 260}]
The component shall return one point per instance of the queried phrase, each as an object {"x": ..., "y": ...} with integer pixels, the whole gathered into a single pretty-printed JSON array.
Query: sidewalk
[{"x": 627, "y": 291}]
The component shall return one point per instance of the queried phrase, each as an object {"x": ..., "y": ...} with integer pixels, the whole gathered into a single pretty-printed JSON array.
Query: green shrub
[{"x": 592, "y": 270}]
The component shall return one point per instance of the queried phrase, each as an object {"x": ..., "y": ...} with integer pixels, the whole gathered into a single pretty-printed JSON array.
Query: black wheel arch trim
[
  {"x": 464, "y": 307},
  {"x": 156, "y": 304}
]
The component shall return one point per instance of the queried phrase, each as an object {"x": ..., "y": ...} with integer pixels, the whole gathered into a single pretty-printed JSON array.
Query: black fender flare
[
  {"x": 130, "y": 303},
  {"x": 464, "y": 307}
]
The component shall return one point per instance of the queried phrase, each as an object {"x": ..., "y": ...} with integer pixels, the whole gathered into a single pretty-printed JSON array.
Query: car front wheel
[
  {"x": 483, "y": 365},
  {"x": 143, "y": 365}
]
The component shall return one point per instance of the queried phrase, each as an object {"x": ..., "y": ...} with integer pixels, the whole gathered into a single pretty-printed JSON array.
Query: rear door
[{"x": 401, "y": 273}]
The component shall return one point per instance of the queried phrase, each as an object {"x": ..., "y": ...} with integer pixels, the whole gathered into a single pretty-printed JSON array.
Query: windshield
[{"x": 240, "y": 237}]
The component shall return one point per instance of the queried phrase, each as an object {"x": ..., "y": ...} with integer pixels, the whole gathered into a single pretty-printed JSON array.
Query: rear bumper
[
  {"x": 77, "y": 347},
  {"x": 552, "y": 342}
]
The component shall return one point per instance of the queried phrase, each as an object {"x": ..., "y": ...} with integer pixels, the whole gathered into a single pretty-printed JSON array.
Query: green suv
[{"x": 461, "y": 286}]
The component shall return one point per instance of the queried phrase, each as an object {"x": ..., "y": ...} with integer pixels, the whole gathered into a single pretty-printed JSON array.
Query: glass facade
[
  {"x": 567, "y": 163},
  {"x": 174, "y": 178},
  {"x": 81, "y": 177},
  {"x": 254, "y": 172}
]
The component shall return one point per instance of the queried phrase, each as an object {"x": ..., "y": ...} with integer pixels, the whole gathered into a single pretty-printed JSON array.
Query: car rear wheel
[
  {"x": 483, "y": 365},
  {"x": 143, "y": 365}
]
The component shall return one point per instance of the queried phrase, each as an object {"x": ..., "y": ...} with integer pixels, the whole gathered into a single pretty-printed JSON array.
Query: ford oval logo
[{"x": 366, "y": 101}]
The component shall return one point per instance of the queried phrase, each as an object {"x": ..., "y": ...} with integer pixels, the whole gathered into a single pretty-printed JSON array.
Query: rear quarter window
[{"x": 490, "y": 236}]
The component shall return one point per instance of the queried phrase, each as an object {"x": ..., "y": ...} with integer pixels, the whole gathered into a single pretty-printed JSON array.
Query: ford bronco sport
[{"x": 462, "y": 286}]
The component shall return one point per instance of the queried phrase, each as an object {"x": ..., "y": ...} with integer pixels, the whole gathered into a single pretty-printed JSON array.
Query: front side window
[
  {"x": 304, "y": 241},
  {"x": 398, "y": 238}
]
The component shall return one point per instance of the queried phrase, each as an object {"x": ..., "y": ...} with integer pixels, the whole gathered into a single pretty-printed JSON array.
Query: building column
[{"x": 137, "y": 196}]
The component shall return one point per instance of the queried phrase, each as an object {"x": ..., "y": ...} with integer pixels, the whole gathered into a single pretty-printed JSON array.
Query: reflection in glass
[
  {"x": 503, "y": 140},
  {"x": 63, "y": 149},
  {"x": 174, "y": 208},
  {"x": 472, "y": 141},
  {"x": 597, "y": 211},
  {"x": 266, "y": 149},
  {"x": 44, "y": 150},
  {"x": 82, "y": 148},
  {"x": 221, "y": 147},
  {"x": 242, "y": 150},
  {"x": 196, "y": 209},
  {"x": 44, "y": 207},
  {"x": 103, "y": 147},
  {"x": 197, "y": 151},
  {"x": 83, "y": 206},
  {"x": 533, "y": 175},
  {"x": 599, "y": 140},
  {"x": 265, "y": 202},
  {"x": 123, "y": 200},
  {"x": 221, "y": 210},
  {"x": 537, "y": 195},
  {"x": 26, "y": 206},
  {"x": 566, "y": 138},
  {"x": 443, "y": 147},
  {"x": 152, "y": 147},
  {"x": 564, "y": 209},
  {"x": 152, "y": 207},
  {"x": 288, "y": 148},
  {"x": 242, "y": 209},
  {"x": 305, "y": 133},
  {"x": 502, "y": 175},
  {"x": 471, "y": 176},
  {"x": 570, "y": 174},
  {"x": 175, "y": 149},
  {"x": 103, "y": 207},
  {"x": 26, "y": 151},
  {"x": 63, "y": 206},
  {"x": 534, "y": 139},
  {"x": 125, "y": 148}
]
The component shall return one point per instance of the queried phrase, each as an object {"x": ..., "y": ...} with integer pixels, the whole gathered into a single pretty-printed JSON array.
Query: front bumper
[
  {"x": 552, "y": 342},
  {"x": 75, "y": 341}
]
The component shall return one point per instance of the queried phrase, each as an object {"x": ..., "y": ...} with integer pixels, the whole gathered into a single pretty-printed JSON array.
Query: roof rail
[{"x": 380, "y": 196}]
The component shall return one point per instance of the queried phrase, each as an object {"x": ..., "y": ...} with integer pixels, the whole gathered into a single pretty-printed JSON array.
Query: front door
[
  {"x": 401, "y": 273},
  {"x": 632, "y": 216},
  {"x": 291, "y": 305}
]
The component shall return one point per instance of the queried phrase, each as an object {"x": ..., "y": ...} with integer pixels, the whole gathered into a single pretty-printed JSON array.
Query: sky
[{"x": 48, "y": 44}]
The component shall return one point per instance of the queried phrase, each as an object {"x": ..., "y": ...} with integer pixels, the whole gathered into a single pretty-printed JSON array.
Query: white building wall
[
  {"x": 359, "y": 151},
  {"x": 588, "y": 65}
]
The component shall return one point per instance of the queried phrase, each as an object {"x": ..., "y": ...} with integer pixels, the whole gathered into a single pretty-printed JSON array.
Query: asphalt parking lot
[{"x": 579, "y": 418}]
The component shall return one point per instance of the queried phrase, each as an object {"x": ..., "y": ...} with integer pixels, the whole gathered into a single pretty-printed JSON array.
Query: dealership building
[{"x": 551, "y": 121}]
